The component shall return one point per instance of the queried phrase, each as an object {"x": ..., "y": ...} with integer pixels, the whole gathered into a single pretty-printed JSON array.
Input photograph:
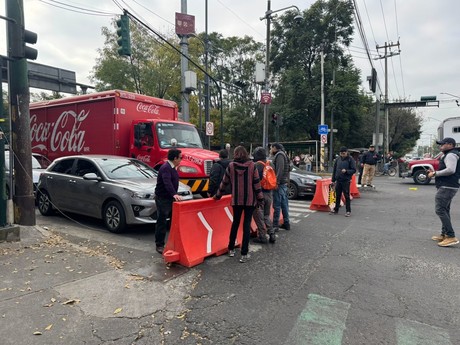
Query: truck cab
[{"x": 151, "y": 140}]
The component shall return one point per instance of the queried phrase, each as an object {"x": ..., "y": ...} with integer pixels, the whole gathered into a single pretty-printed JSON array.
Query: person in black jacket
[
  {"x": 217, "y": 173},
  {"x": 447, "y": 185},
  {"x": 344, "y": 168},
  {"x": 368, "y": 162}
]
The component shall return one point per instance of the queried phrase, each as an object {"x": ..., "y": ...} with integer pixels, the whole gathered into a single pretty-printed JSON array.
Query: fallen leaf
[
  {"x": 37, "y": 333},
  {"x": 53, "y": 299},
  {"x": 48, "y": 327},
  {"x": 71, "y": 301},
  {"x": 118, "y": 310}
]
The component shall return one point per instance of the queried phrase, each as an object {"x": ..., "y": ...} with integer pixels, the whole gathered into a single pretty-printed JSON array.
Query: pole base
[{"x": 10, "y": 233}]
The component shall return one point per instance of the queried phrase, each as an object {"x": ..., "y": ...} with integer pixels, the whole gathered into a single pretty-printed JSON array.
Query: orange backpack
[{"x": 268, "y": 180}]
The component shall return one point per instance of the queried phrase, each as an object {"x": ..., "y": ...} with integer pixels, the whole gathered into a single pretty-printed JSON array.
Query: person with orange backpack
[{"x": 261, "y": 214}]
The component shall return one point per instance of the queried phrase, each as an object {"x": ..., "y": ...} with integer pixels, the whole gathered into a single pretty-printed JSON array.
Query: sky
[{"x": 428, "y": 63}]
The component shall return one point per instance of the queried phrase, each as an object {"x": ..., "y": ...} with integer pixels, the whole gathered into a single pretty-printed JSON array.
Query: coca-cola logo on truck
[
  {"x": 64, "y": 134},
  {"x": 148, "y": 108}
]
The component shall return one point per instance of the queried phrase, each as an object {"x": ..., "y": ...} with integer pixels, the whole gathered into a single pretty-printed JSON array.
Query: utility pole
[
  {"x": 386, "y": 56},
  {"x": 185, "y": 108},
  {"x": 19, "y": 98},
  {"x": 322, "y": 155},
  {"x": 267, "y": 75},
  {"x": 207, "y": 96}
]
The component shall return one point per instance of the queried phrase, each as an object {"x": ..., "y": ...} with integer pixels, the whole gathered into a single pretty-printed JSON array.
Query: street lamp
[
  {"x": 268, "y": 17},
  {"x": 449, "y": 94}
]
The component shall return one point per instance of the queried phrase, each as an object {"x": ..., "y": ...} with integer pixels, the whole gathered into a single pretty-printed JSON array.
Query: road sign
[
  {"x": 266, "y": 98},
  {"x": 323, "y": 138},
  {"x": 210, "y": 128},
  {"x": 323, "y": 129}
]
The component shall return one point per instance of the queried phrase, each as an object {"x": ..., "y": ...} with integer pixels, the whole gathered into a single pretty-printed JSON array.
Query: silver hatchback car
[{"x": 118, "y": 190}]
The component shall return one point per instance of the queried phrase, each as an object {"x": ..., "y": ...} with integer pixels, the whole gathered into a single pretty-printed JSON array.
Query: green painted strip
[
  {"x": 410, "y": 332},
  {"x": 322, "y": 322}
]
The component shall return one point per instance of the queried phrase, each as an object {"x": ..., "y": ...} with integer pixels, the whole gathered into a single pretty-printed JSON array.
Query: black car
[{"x": 301, "y": 183}]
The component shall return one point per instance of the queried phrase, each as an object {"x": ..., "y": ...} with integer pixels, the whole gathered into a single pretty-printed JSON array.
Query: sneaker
[
  {"x": 276, "y": 229},
  {"x": 244, "y": 258},
  {"x": 370, "y": 185},
  {"x": 438, "y": 238},
  {"x": 333, "y": 212},
  {"x": 160, "y": 250},
  {"x": 360, "y": 185},
  {"x": 348, "y": 214},
  {"x": 448, "y": 241},
  {"x": 231, "y": 253},
  {"x": 286, "y": 226},
  {"x": 260, "y": 240},
  {"x": 272, "y": 238}
]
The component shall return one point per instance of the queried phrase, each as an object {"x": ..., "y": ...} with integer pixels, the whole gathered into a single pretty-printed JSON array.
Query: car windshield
[
  {"x": 178, "y": 135},
  {"x": 121, "y": 169}
]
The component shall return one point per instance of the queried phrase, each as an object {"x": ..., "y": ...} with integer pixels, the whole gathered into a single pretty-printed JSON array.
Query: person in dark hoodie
[
  {"x": 262, "y": 211},
  {"x": 344, "y": 168},
  {"x": 243, "y": 178},
  {"x": 217, "y": 173}
]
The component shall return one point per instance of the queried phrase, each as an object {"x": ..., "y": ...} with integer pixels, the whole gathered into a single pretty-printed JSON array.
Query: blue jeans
[
  {"x": 280, "y": 203},
  {"x": 443, "y": 200}
]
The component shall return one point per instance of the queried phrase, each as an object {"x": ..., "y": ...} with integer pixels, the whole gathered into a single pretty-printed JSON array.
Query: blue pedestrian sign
[{"x": 323, "y": 129}]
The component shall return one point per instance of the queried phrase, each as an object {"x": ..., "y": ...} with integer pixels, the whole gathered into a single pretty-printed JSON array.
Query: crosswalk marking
[
  {"x": 321, "y": 322},
  {"x": 410, "y": 332}
]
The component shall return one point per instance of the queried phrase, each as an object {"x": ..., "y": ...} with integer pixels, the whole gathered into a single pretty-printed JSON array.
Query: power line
[{"x": 76, "y": 9}]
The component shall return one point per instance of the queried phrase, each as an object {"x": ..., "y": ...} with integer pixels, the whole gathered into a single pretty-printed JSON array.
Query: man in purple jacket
[{"x": 165, "y": 194}]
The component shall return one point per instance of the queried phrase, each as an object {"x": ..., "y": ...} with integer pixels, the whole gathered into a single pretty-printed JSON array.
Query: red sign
[
  {"x": 185, "y": 24},
  {"x": 266, "y": 98}
]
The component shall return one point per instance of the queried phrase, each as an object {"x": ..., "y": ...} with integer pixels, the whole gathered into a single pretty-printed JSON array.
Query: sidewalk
[{"x": 56, "y": 291}]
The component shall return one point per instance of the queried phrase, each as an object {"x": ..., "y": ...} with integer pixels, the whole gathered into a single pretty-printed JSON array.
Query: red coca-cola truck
[{"x": 124, "y": 124}]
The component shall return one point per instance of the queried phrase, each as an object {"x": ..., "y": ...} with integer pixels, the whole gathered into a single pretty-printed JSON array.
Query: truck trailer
[{"x": 124, "y": 124}]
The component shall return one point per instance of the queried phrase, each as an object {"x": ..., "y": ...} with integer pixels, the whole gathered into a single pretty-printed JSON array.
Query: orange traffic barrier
[
  {"x": 199, "y": 228},
  {"x": 320, "y": 200},
  {"x": 354, "y": 191}
]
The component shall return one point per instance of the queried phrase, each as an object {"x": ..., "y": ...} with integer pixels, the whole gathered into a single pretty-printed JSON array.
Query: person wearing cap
[
  {"x": 446, "y": 179},
  {"x": 344, "y": 168},
  {"x": 368, "y": 162}
]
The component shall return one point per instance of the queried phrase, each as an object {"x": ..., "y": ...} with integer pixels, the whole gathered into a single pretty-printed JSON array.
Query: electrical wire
[{"x": 76, "y": 9}]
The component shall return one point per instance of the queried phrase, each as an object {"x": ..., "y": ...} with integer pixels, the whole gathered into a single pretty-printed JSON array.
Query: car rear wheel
[
  {"x": 421, "y": 177},
  {"x": 292, "y": 191},
  {"x": 114, "y": 217},
  {"x": 45, "y": 205}
]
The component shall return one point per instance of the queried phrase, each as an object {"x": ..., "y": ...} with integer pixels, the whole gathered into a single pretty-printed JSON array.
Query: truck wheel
[
  {"x": 114, "y": 217},
  {"x": 45, "y": 205},
  {"x": 421, "y": 177},
  {"x": 292, "y": 191}
]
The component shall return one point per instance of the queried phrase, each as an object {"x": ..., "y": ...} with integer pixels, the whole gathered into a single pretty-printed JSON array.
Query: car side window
[
  {"x": 85, "y": 167},
  {"x": 64, "y": 166}
]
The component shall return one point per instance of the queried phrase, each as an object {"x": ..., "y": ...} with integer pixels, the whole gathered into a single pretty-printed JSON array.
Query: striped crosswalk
[{"x": 299, "y": 210}]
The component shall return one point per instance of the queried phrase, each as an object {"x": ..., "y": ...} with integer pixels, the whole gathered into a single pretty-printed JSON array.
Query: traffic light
[
  {"x": 373, "y": 81},
  {"x": 274, "y": 118},
  {"x": 124, "y": 39},
  {"x": 17, "y": 42}
]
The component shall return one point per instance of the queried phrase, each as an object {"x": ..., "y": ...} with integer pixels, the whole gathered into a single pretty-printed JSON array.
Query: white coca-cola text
[
  {"x": 148, "y": 108},
  {"x": 64, "y": 134}
]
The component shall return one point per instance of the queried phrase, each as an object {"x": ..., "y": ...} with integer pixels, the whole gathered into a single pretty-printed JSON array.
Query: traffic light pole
[{"x": 20, "y": 146}]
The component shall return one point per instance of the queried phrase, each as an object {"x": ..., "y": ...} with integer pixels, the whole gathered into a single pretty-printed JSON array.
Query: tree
[{"x": 153, "y": 67}]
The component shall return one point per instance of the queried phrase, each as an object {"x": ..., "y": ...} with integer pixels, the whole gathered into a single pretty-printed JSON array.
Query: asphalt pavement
[{"x": 373, "y": 278}]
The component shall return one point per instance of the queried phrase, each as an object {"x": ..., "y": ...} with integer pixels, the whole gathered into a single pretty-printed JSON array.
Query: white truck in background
[{"x": 450, "y": 127}]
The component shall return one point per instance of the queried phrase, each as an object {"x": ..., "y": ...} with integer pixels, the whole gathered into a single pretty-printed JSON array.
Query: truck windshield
[{"x": 177, "y": 135}]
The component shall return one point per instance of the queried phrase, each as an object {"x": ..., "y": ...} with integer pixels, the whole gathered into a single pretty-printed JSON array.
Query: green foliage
[{"x": 295, "y": 64}]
